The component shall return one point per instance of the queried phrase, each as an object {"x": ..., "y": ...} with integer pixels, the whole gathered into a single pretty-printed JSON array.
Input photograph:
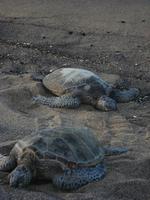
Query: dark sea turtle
[
  {"x": 69, "y": 157},
  {"x": 73, "y": 86}
]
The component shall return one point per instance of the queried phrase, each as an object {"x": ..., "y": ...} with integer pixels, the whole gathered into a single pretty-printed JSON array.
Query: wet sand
[{"x": 110, "y": 37}]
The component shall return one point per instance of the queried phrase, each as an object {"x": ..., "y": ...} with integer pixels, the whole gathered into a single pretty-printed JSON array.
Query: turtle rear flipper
[
  {"x": 36, "y": 77},
  {"x": 59, "y": 102}
]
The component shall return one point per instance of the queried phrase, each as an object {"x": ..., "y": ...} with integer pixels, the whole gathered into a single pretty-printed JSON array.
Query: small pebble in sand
[
  {"x": 123, "y": 22},
  {"x": 83, "y": 34},
  {"x": 70, "y": 32},
  {"x": 27, "y": 43},
  {"x": 81, "y": 60}
]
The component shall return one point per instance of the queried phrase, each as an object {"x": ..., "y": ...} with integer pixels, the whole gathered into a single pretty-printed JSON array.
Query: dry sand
[{"x": 110, "y": 37}]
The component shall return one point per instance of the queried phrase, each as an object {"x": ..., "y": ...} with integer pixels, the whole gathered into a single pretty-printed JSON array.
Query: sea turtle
[
  {"x": 74, "y": 86},
  {"x": 70, "y": 157}
]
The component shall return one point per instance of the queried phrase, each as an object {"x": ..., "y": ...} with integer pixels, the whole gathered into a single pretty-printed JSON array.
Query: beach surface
[{"x": 110, "y": 38}]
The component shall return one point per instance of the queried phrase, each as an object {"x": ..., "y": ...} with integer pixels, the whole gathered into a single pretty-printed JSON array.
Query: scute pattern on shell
[
  {"x": 65, "y": 80},
  {"x": 77, "y": 145}
]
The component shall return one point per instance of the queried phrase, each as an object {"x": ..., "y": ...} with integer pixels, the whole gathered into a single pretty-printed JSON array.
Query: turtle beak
[{"x": 106, "y": 104}]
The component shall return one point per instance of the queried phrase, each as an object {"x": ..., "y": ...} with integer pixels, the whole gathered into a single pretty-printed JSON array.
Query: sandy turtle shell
[
  {"x": 73, "y": 87},
  {"x": 66, "y": 80}
]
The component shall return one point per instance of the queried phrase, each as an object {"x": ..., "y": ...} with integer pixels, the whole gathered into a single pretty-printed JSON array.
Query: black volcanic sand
[{"x": 110, "y": 37}]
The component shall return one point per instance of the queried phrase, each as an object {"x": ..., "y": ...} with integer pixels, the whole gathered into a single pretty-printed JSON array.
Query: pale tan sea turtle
[{"x": 73, "y": 86}]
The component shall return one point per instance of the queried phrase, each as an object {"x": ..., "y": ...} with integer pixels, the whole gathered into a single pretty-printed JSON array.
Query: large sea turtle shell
[
  {"x": 64, "y": 80},
  {"x": 76, "y": 145}
]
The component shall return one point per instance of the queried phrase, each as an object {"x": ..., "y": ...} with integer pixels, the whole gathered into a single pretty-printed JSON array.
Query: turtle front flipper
[
  {"x": 7, "y": 163},
  {"x": 124, "y": 96},
  {"x": 106, "y": 103},
  {"x": 22, "y": 175},
  {"x": 59, "y": 102},
  {"x": 75, "y": 178}
]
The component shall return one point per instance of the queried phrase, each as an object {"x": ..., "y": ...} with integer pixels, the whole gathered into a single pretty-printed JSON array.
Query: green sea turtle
[
  {"x": 69, "y": 157},
  {"x": 73, "y": 86}
]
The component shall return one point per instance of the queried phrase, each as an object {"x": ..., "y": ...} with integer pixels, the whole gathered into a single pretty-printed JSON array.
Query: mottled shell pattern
[
  {"x": 67, "y": 145},
  {"x": 64, "y": 80}
]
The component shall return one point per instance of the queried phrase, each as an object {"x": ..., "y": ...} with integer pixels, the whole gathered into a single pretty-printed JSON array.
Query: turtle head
[{"x": 105, "y": 103}]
